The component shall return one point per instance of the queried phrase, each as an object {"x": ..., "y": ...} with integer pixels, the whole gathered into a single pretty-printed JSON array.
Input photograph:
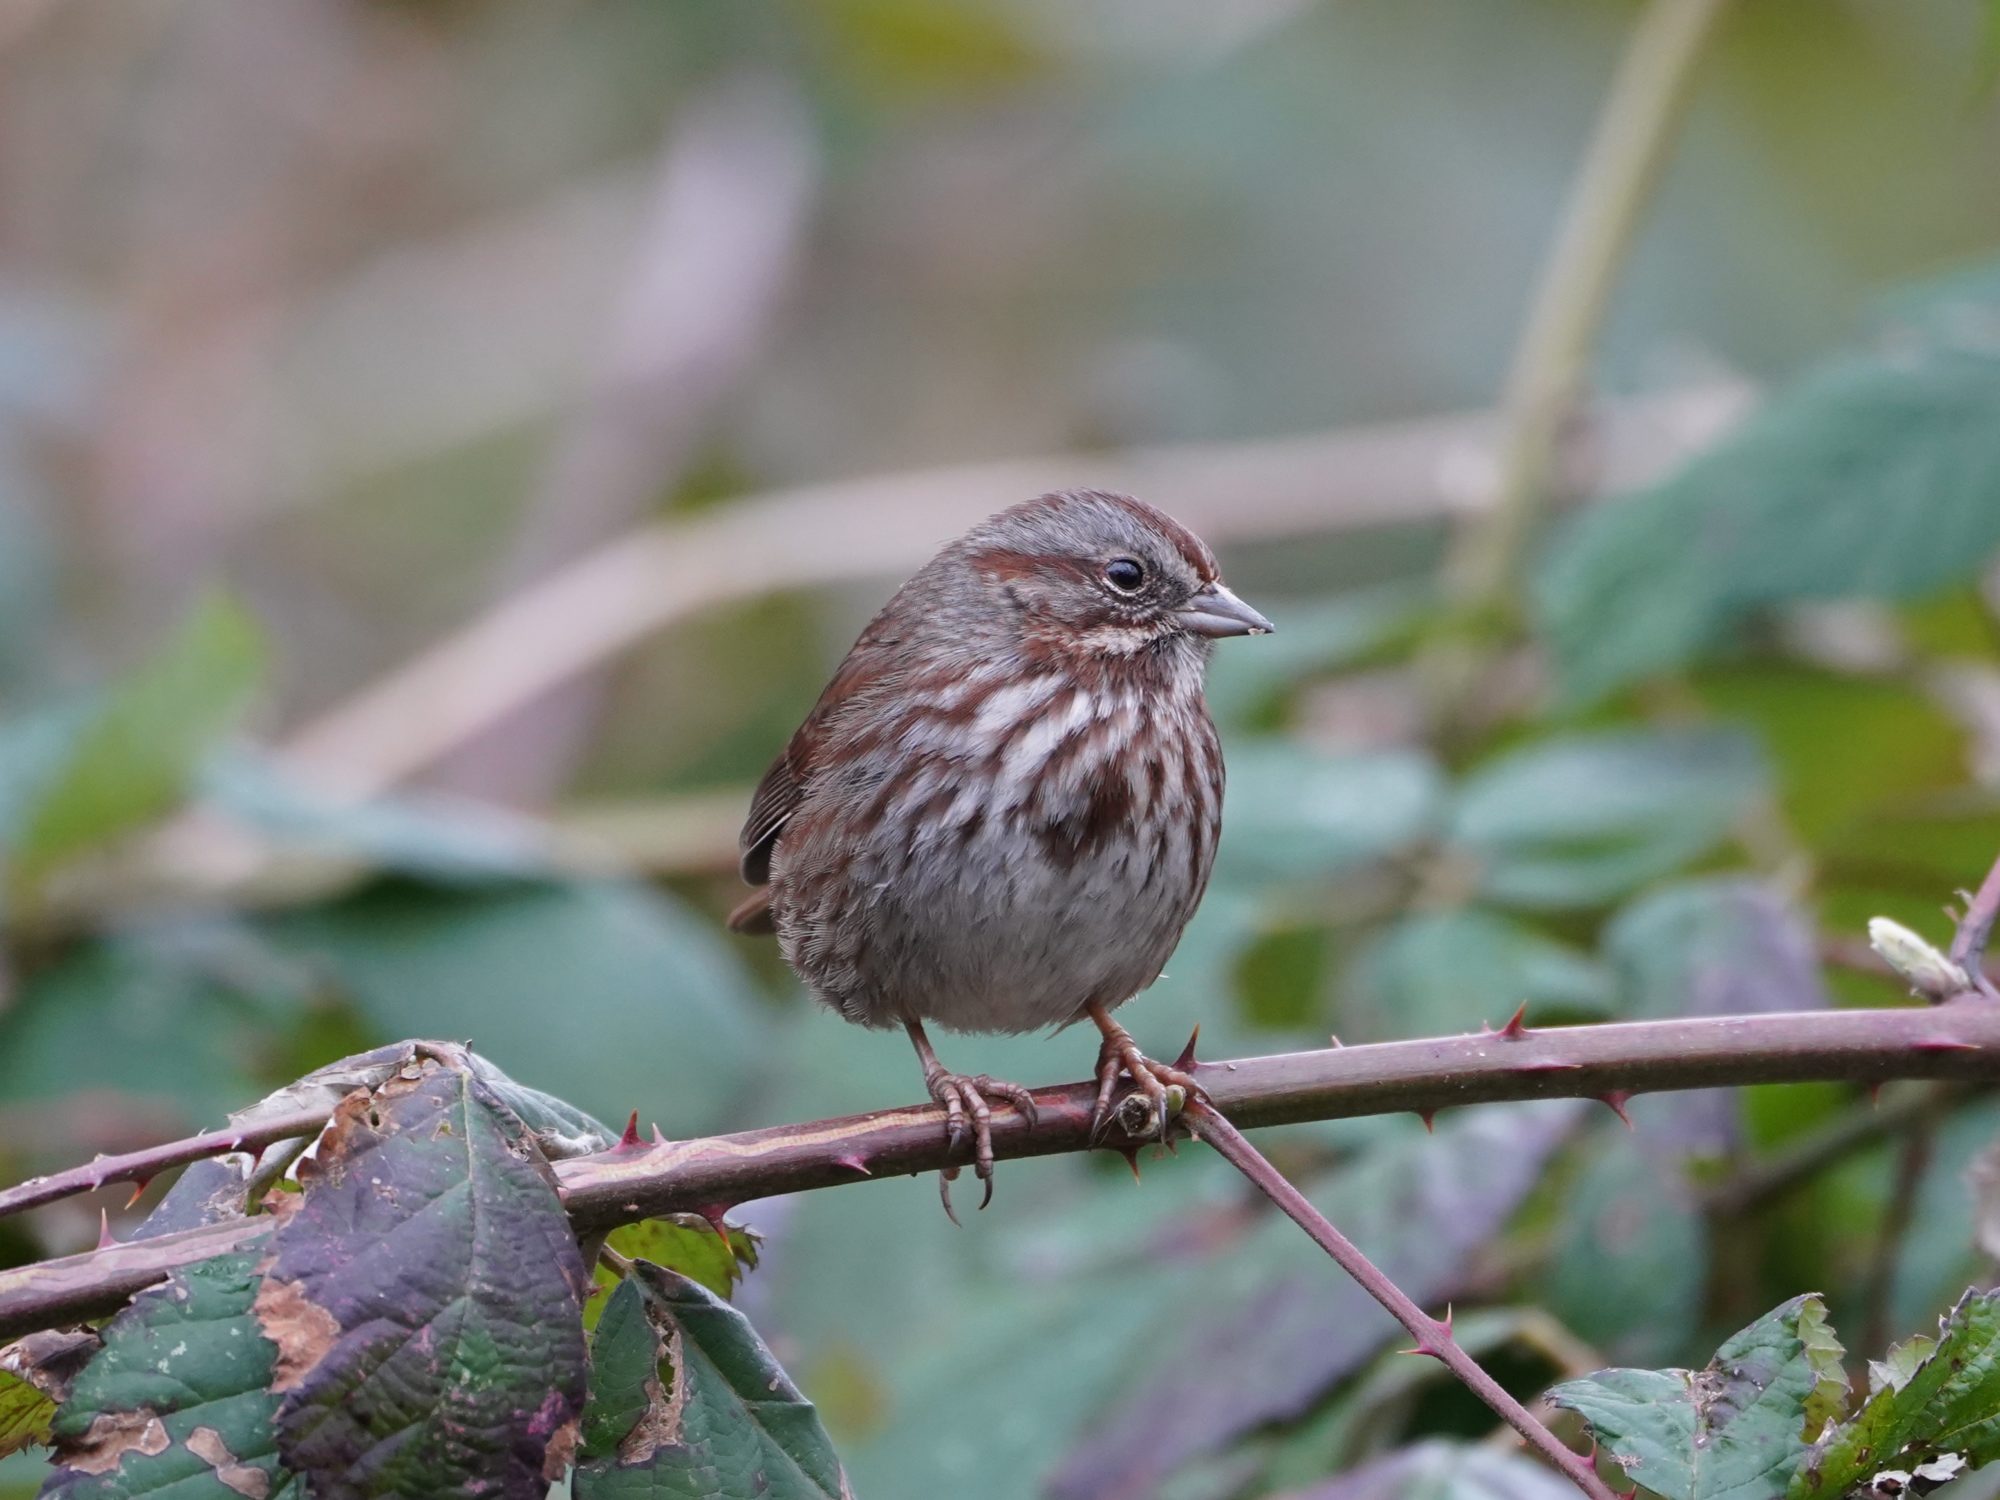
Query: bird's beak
[{"x": 1217, "y": 612}]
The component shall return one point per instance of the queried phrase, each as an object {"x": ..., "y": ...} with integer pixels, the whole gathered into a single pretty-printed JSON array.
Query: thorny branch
[{"x": 1959, "y": 1040}]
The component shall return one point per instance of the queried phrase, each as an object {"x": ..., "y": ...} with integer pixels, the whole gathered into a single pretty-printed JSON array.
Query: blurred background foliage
[{"x": 326, "y": 327}]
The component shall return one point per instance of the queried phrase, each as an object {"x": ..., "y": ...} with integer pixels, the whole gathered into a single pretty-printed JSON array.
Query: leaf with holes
[
  {"x": 1735, "y": 1429},
  {"x": 426, "y": 1300},
  {"x": 1930, "y": 1402},
  {"x": 687, "y": 1243},
  {"x": 178, "y": 1400},
  {"x": 686, "y": 1401}
]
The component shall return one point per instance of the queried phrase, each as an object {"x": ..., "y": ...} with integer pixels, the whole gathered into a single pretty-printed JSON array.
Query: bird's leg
[
  {"x": 1153, "y": 1079},
  {"x": 967, "y": 1098}
]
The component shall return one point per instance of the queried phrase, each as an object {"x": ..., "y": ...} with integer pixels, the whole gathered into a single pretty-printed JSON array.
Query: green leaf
[
  {"x": 136, "y": 757},
  {"x": 1903, "y": 1361},
  {"x": 1877, "y": 476},
  {"x": 1580, "y": 820},
  {"x": 689, "y": 1244},
  {"x": 1446, "y": 1471},
  {"x": 1735, "y": 1429},
  {"x": 427, "y": 1295},
  {"x": 1828, "y": 1399},
  {"x": 1355, "y": 1420},
  {"x": 1720, "y": 946},
  {"x": 430, "y": 839},
  {"x": 1434, "y": 973},
  {"x": 183, "y": 1013},
  {"x": 1842, "y": 747},
  {"x": 177, "y": 1402},
  {"x": 686, "y": 1401},
  {"x": 35, "y": 1375},
  {"x": 1929, "y": 1404},
  {"x": 1296, "y": 813},
  {"x": 686, "y": 1243},
  {"x": 1318, "y": 635},
  {"x": 548, "y": 981},
  {"x": 25, "y": 1412},
  {"x": 1631, "y": 1254}
]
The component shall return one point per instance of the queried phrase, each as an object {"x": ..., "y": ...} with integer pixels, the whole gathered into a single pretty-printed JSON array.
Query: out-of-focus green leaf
[
  {"x": 1720, "y": 946},
  {"x": 1893, "y": 742},
  {"x": 178, "y": 1401},
  {"x": 552, "y": 982},
  {"x": 903, "y": 47},
  {"x": 1273, "y": 1331},
  {"x": 1948, "y": 1404},
  {"x": 1875, "y": 476},
  {"x": 1631, "y": 1255},
  {"x": 1444, "y": 1471},
  {"x": 1280, "y": 977},
  {"x": 190, "y": 1012},
  {"x": 135, "y": 758},
  {"x": 1314, "y": 636},
  {"x": 1939, "y": 1254},
  {"x": 1434, "y": 973},
  {"x": 1735, "y": 1429},
  {"x": 1354, "y": 1421},
  {"x": 33, "y": 748},
  {"x": 686, "y": 1401},
  {"x": 29, "y": 592},
  {"x": 1580, "y": 820},
  {"x": 432, "y": 839},
  {"x": 1294, "y": 814},
  {"x": 427, "y": 1295}
]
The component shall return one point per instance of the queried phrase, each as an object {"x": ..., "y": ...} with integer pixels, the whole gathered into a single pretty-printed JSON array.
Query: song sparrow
[{"x": 1003, "y": 809}]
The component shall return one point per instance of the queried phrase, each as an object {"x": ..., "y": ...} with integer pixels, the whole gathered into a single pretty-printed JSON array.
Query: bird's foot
[
  {"x": 968, "y": 1101},
  {"x": 1159, "y": 1091}
]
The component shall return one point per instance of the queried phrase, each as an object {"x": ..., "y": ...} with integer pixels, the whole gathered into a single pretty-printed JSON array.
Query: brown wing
[
  {"x": 784, "y": 786},
  {"x": 777, "y": 798}
]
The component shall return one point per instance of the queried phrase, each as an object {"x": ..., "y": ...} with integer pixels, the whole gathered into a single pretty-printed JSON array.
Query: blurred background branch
[{"x": 879, "y": 527}]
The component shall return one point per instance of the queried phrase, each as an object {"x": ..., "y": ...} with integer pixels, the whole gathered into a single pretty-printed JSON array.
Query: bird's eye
[{"x": 1125, "y": 574}]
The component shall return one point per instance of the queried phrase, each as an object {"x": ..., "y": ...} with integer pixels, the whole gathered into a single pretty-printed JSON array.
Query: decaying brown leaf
[
  {"x": 300, "y": 1327},
  {"x": 206, "y": 1444},
  {"x": 111, "y": 1436},
  {"x": 660, "y": 1427}
]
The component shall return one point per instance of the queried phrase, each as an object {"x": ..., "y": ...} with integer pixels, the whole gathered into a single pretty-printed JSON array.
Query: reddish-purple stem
[
  {"x": 1975, "y": 928},
  {"x": 1957, "y": 1040},
  {"x": 140, "y": 1166}
]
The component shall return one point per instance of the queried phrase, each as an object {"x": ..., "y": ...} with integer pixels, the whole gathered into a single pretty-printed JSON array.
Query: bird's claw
[
  {"x": 968, "y": 1109},
  {"x": 1157, "y": 1094}
]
